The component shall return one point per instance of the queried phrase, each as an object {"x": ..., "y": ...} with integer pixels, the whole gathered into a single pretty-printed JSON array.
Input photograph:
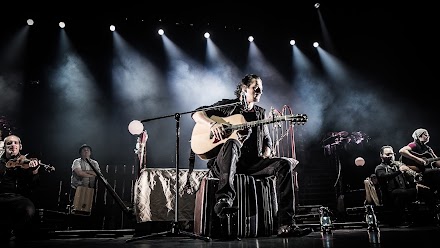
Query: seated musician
[
  {"x": 246, "y": 152},
  {"x": 82, "y": 172},
  {"x": 400, "y": 187},
  {"x": 82, "y": 181},
  {"x": 421, "y": 157},
  {"x": 18, "y": 177},
  {"x": 2, "y": 143}
]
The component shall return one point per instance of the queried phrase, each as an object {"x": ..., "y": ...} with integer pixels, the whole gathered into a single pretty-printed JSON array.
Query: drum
[{"x": 83, "y": 201}]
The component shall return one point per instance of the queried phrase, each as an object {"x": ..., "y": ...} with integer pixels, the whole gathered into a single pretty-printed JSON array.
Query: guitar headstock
[{"x": 300, "y": 119}]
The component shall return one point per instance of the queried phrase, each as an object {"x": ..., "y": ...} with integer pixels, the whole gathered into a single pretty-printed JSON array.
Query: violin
[{"x": 23, "y": 163}]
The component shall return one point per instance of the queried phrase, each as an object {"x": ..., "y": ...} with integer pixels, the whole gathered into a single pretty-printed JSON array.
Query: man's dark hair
[
  {"x": 246, "y": 80},
  {"x": 383, "y": 148}
]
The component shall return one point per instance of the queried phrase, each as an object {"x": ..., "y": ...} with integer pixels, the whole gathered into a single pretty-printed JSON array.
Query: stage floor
[{"x": 426, "y": 236}]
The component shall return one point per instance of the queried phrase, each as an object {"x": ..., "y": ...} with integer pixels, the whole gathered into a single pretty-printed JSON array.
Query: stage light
[
  {"x": 112, "y": 28},
  {"x": 62, "y": 24},
  {"x": 207, "y": 35},
  {"x": 135, "y": 127},
  {"x": 160, "y": 32},
  {"x": 292, "y": 42},
  {"x": 251, "y": 39},
  {"x": 317, "y": 5},
  {"x": 30, "y": 22},
  {"x": 315, "y": 44}
]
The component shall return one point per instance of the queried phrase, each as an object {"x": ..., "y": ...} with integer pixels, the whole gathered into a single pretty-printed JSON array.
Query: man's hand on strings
[{"x": 217, "y": 130}]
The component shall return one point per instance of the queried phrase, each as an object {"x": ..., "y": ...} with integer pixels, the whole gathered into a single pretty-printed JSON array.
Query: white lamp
[
  {"x": 135, "y": 127},
  {"x": 359, "y": 161}
]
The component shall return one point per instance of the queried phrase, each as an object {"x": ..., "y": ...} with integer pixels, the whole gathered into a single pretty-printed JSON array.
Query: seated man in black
[
  {"x": 250, "y": 153},
  {"x": 18, "y": 177},
  {"x": 399, "y": 186}
]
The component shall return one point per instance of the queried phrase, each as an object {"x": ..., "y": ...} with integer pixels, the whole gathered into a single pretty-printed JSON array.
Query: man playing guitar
[
  {"x": 249, "y": 153},
  {"x": 421, "y": 158}
]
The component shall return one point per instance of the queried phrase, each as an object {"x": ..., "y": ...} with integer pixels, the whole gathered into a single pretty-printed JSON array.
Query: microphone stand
[{"x": 175, "y": 229}]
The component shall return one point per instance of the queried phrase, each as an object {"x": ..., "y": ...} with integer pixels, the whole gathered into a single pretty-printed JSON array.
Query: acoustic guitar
[
  {"x": 428, "y": 157},
  {"x": 206, "y": 146}
]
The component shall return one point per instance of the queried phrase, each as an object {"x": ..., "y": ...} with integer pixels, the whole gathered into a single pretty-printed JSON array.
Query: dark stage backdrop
[{"x": 62, "y": 88}]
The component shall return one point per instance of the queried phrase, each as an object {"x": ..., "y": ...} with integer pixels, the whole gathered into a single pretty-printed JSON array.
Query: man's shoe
[
  {"x": 220, "y": 205},
  {"x": 293, "y": 231}
]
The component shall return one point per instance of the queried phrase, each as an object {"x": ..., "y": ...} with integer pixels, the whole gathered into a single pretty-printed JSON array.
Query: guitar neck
[
  {"x": 263, "y": 122},
  {"x": 428, "y": 157},
  {"x": 432, "y": 160}
]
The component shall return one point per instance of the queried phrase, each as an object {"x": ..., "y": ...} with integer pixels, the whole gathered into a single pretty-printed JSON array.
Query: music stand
[{"x": 175, "y": 230}]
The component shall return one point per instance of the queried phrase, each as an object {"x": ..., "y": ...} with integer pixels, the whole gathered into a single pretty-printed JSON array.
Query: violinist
[
  {"x": 2, "y": 144},
  {"x": 16, "y": 184}
]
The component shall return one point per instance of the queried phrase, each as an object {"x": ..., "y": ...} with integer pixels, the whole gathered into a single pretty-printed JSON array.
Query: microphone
[{"x": 243, "y": 100}]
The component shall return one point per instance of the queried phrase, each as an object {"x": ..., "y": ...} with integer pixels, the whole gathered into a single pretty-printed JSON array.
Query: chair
[
  {"x": 374, "y": 204},
  {"x": 372, "y": 200},
  {"x": 371, "y": 191}
]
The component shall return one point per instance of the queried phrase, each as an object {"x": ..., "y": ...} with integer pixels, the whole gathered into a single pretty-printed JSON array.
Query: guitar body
[
  {"x": 206, "y": 146},
  {"x": 416, "y": 166}
]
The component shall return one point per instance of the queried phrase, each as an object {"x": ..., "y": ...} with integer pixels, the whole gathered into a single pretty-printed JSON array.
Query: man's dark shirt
[
  {"x": 390, "y": 177},
  {"x": 16, "y": 180}
]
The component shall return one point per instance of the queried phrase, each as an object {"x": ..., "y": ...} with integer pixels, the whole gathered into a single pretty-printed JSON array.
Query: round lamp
[
  {"x": 135, "y": 127},
  {"x": 359, "y": 161}
]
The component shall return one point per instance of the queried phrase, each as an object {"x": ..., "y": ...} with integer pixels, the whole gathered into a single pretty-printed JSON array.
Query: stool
[{"x": 256, "y": 203}]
